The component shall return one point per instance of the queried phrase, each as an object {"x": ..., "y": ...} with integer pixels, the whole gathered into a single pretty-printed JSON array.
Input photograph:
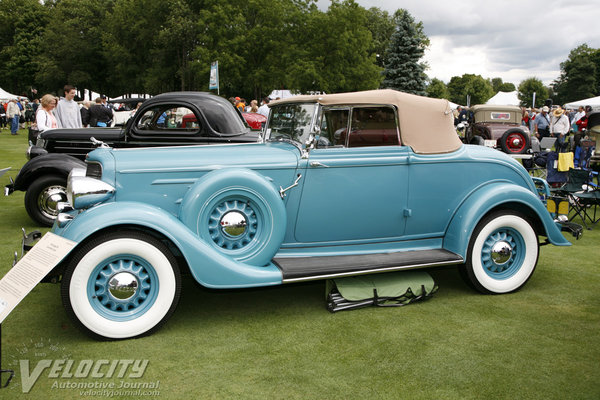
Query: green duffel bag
[{"x": 391, "y": 289}]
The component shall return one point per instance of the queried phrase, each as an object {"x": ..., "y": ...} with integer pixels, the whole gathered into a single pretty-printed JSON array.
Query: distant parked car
[
  {"x": 255, "y": 120},
  {"x": 170, "y": 119},
  {"x": 498, "y": 127},
  {"x": 339, "y": 185}
]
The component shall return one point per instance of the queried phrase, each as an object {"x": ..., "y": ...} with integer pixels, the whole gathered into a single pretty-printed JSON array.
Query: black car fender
[{"x": 53, "y": 163}]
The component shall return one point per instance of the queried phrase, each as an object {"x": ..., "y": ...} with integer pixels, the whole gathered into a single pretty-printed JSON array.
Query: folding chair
[
  {"x": 582, "y": 194},
  {"x": 586, "y": 207},
  {"x": 536, "y": 165},
  {"x": 554, "y": 177}
]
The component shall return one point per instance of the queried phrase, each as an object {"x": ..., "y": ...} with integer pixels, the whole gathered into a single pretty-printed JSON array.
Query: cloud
[{"x": 511, "y": 39}]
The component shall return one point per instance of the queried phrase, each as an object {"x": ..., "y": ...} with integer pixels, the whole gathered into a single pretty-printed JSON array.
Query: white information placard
[{"x": 31, "y": 269}]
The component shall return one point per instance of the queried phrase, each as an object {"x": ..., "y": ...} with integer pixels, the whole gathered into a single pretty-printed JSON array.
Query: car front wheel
[
  {"x": 502, "y": 254},
  {"x": 121, "y": 285},
  {"x": 43, "y": 196}
]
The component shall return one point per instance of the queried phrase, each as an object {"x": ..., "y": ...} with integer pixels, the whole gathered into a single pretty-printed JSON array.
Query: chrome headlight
[{"x": 84, "y": 192}]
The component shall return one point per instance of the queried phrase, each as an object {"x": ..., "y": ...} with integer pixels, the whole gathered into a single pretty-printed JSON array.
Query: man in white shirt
[
  {"x": 264, "y": 108},
  {"x": 67, "y": 111},
  {"x": 13, "y": 113}
]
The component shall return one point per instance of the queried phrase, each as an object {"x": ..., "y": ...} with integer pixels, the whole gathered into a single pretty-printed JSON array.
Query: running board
[{"x": 312, "y": 268}]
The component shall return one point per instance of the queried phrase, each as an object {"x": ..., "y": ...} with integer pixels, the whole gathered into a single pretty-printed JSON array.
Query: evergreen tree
[{"x": 403, "y": 71}]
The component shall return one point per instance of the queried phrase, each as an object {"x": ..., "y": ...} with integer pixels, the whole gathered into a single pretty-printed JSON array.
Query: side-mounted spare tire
[
  {"x": 238, "y": 212},
  {"x": 515, "y": 141}
]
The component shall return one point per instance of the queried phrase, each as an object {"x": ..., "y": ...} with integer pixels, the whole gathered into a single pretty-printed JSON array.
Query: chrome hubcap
[
  {"x": 123, "y": 286},
  {"x": 501, "y": 252},
  {"x": 233, "y": 224},
  {"x": 49, "y": 198}
]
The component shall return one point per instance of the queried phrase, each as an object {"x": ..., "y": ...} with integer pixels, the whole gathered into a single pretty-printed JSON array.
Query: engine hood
[{"x": 205, "y": 158}]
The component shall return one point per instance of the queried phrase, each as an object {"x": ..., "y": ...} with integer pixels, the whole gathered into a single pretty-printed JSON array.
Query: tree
[
  {"x": 382, "y": 26},
  {"x": 345, "y": 62},
  {"x": 526, "y": 90},
  {"x": 403, "y": 69},
  {"x": 499, "y": 86},
  {"x": 579, "y": 75},
  {"x": 71, "y": 51},
  {"x": 438, "y": 89},
  {"x": 470, "y": 87},
  {"x": 21, "y": 26}
]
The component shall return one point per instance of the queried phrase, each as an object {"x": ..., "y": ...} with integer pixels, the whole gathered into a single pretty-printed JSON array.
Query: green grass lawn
[{"x": 542, "y": 342}]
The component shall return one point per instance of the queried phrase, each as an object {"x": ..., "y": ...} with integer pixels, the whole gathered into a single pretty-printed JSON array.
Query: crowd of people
[
  {"x": 240, "y": 104},
  {"x": 544, "y": 122},
  {"x": 52, "y": 112}
]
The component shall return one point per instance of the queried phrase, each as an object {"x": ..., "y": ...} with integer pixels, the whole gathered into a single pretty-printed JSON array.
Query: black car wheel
[{"x": 43, "y": 196}]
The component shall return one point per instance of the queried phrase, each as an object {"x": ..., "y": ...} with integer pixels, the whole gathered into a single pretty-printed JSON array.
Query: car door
[{"x": 356, "y": 179}]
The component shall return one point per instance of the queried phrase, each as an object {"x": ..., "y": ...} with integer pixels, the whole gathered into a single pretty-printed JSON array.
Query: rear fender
[
  {"x": 491, "y": 196},
  {"x": 208, "y": 266}
]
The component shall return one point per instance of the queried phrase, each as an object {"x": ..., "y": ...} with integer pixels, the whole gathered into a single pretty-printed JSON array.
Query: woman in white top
[{"x": 44, "y": 118}]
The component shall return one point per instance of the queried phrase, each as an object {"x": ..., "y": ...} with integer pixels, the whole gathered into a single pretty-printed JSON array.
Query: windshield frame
[{"x": 308, "y": 131}]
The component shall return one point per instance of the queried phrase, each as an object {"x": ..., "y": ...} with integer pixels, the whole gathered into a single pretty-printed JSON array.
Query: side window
[
  {"x": 373, "y": 126},
  {"x": 166, "y": 118},
  {"x": 334, "y": 127}
]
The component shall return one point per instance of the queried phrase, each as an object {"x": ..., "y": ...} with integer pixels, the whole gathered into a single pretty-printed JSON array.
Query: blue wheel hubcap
[
  {"x": 122, "y": 287},
  {"x": 230, "y": 236},
  {"x": 503, "y": 253}
]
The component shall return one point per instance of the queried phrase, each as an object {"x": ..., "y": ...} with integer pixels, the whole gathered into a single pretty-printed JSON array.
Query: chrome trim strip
[{"x": 370, "y": 271}]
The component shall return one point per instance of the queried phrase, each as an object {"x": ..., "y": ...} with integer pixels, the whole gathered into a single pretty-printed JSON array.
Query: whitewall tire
[
  {"x": 121, "y": 285},
  {"x": 502, "y": 254}
]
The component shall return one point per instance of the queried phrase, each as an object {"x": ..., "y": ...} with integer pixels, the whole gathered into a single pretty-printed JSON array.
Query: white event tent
[
  {"x": 4, "y": 95},
  {"x": 505, "y": 99},
  {"x": 593, "y": 102}
]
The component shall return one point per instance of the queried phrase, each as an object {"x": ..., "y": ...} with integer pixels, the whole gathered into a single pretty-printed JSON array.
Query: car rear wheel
[
  {"x": 502, "y": 253},
  {"x": 121, "y": 285},
  {"x": 515, "y": 141},
  {"x": 43, "y": 196}
]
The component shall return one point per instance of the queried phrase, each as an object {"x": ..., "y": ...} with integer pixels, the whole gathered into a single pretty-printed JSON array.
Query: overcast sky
[{"x": 510, "y": 39}]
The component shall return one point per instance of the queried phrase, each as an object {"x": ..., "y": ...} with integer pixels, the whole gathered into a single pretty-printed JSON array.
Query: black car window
[
  {"x": 168, "y": 118},
  {"x": 373, "y": 126},
  {"x": 334, "y": 127}
]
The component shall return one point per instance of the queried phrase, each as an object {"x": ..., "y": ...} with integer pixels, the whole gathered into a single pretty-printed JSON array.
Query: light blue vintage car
[{"x": 339, "y": 185}]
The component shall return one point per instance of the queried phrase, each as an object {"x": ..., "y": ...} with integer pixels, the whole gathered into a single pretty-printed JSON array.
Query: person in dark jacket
[
  {"x": 85, "y": 113},
  {"x": 100, "y": 115}
]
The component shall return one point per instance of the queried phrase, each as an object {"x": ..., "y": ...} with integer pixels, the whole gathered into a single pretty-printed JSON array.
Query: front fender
[
  {"x": 488, "y": 197},
  {"x": 209, "y": 267},
  {"x": 60, "y": 164}
]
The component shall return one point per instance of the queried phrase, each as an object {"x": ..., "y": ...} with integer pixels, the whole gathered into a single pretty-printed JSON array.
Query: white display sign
[{"x": 31, "y": 269}]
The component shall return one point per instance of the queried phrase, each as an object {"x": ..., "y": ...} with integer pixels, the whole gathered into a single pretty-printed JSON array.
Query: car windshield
[{"x": 290, "y": 121}]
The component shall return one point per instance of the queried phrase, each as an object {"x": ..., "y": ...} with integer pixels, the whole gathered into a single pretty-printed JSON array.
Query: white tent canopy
[
  {"x": 4, "y": 95},
  {"x": 131, "y": 96},
  {"x": 505, "y": 99},
  {"x": 593, "y": 102}
]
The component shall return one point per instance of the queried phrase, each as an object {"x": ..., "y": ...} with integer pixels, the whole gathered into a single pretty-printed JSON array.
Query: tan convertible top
[{"x": 426, "y": 124}]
